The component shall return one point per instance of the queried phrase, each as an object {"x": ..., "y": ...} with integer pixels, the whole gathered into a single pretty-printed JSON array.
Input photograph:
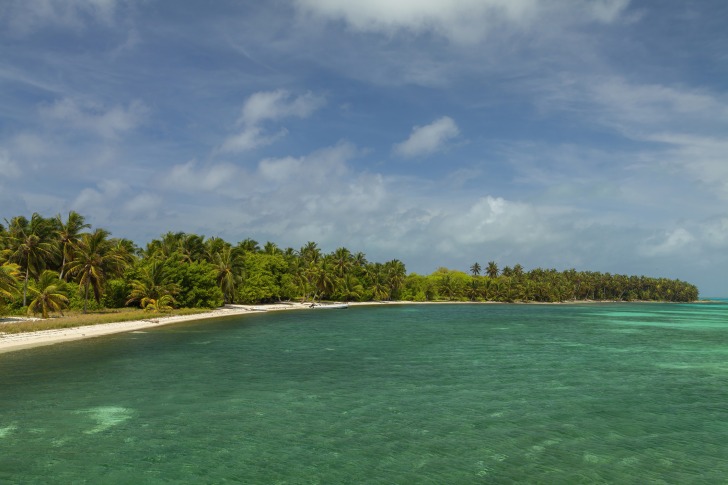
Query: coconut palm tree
[
  {"x": 395, "y": 275},
  {"x": 492, "y": 269},
  {"x": 475, "y": 269},
  {"x": 229, "y": 267},
  {"x": 29, "y": 246},
  {"x": 249, "y": 245},
  {"x": 68, "y": 234},
  {"x": 8, "y": 280},
  {"x": 94, "y": 261},
  {"x": 162, "y": 304},
  {"x": 49, "y": 294},
  {"x": 152, "y": 286},
  {"x": 343, "y": 261}
]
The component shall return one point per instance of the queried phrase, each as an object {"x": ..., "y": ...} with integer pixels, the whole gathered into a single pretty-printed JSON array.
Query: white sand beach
[{"x": 18, "y": 341}]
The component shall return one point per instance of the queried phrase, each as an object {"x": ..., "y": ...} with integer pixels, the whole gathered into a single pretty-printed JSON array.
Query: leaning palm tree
[
  {"x": 8, "y": 280},
  {"x": 49, "y": 295},
  {"x": 94, "y": 261},
  {"x": 68, "y": 235}
]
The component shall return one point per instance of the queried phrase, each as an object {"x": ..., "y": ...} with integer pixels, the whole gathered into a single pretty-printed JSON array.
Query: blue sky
[{"x": 559, "y": 134}]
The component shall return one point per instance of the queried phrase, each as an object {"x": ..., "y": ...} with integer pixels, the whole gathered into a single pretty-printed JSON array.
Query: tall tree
[
  {"x": 492, "y": 269},
  {"x": 29, "y": 245},
  {"x": 95, "y": 259},
  {"x": 475, "y": 269},
  {"x": 229, "y": 268},
  {"x": 68, "y": 235}
]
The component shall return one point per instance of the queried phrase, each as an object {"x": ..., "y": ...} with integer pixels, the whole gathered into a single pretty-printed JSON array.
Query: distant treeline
[{"x": 51, "y": 264}]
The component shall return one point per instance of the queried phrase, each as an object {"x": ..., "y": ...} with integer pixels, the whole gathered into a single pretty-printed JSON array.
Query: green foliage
[
  {"x": 189, "y": 270},
  {"x": 197, "y": 284},
  {"x": 116, "y": 293},
  {"x": 263, "y": 282},
  {"x": 49, "y": 295}
]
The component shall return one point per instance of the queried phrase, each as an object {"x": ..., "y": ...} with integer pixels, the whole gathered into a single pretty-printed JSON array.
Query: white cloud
[
  {"x": 654, "y": 103},
  {"x": 496, "y": 219},
  {"x": 462, "y": 21},
  {"x": 268, "y": 106},
  {"x": 703, "y": 158},
  {"x": 670, "y": 243},
  {"x": 279, "y": 104},
  {"x": 428, "y": 139},
  {"x": 248, "y": 139},
  {"x": 95, "y": 118},
  {"x": 188, "y": 177}
]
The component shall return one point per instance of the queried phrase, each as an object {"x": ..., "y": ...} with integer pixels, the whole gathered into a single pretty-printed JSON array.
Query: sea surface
[{"x": 391, "y": 394}]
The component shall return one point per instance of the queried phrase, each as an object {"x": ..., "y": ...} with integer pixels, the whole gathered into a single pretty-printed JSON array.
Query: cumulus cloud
[
  {"x": 250, "y": 138},
  {"x": 269, "y": 106},
  {"x": 672, "y": 242},
  {"x": 428, "y": 139},
  {"x": 279, "y": 104},
  {"x": 462, "y": 21},
  {"x": 109, "y": 123}
]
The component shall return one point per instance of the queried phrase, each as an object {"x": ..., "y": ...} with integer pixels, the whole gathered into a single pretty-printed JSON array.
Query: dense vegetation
[{"x": 48, "y": 265}]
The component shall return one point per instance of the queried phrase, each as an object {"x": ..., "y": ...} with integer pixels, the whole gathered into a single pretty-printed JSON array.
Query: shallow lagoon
[{"x": 617, "y": 393}]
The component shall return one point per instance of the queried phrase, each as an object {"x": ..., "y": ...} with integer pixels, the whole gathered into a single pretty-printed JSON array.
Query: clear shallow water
[{"x": 617, "y": 393}]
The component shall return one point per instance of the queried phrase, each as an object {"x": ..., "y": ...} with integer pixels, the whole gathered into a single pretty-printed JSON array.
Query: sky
[{"x": 556, "y": 134}]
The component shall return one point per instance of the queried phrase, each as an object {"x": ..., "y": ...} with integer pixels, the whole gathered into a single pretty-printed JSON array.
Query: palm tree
[
  {"x": 249, "y": 245},
  {"x": 229, "y": 266},
  {"x": 153, "y": 287},
  {"x": 192, "y": 247},
  {"x": 8, "y": 280},
  {"x": 343, "y": 261},
  {"x": 475, "y": 269},
  {"x": 95, "y": 260},
  {"x": 395, "y": 274},
  {"x": 310, "y": 252},
  {"x": 492, "y": 269},
  {"x": 162, "y": 304},
  {"x": 49, "y": 294},
  {"x": 69, "y": 234},
  {"x": 271, "y": 248},
  {"x": 29, "y": 247}
]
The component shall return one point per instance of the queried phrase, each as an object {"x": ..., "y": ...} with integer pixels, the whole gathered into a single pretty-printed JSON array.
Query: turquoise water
[{"x": 615, "y": 393}]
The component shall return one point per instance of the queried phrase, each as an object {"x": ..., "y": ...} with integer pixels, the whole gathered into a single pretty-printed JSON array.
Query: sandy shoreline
[
  {"x": 27, "y": 340},
  {"x": 20, "y": 341}
]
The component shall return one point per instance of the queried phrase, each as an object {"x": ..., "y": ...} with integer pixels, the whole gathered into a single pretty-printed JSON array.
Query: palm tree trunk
[
  {"x": 85, "y": 298},
  {"x": 25, "y": 287},
  {"x": 63, "y": 264}
]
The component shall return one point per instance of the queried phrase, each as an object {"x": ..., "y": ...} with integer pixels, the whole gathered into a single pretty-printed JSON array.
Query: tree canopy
[{"x": 40, "y": 255}]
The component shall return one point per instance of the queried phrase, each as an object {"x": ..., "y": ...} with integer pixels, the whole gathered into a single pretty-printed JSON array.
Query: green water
[{"x": 618, "y": 393}]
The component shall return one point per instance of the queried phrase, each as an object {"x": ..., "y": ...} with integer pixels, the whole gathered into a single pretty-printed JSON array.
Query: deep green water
[{"x": 616, "y": 393}]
